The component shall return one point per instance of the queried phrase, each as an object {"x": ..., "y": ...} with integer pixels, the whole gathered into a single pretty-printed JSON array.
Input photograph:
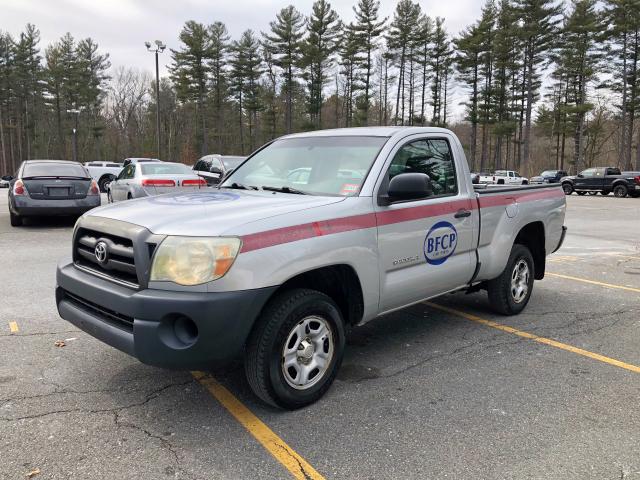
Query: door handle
[{"x": 462, "y": 213}]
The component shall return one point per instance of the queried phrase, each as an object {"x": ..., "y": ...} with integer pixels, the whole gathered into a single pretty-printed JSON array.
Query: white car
[
  {"x": 504, "y": 177},
  {"x": 103, "y": 172}
]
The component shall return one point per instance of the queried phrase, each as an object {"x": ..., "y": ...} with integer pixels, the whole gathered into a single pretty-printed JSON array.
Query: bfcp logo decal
[{"x": 440, "y": 243}]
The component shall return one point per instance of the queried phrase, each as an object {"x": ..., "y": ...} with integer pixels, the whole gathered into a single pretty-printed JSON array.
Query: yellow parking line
[
  {"x": 13, "y": 326},
  {"x": 536, "y": 338},
  {"x": 297, "y": 466},
  {"x": 593, "y": 282}
]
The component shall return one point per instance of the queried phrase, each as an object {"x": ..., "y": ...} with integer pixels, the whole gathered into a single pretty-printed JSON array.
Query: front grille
[
  {"x": 106, "y": 315},
  {"x": 120, "y": 263}
]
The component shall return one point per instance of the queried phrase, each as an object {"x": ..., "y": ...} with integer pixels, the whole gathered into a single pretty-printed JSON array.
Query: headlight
[{"x": 193, "y": 260}]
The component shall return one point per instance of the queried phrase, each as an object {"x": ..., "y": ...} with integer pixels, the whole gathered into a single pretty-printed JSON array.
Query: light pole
[
  {"x": 159, "y": 48},
  {"x": 76, "y": 113}
]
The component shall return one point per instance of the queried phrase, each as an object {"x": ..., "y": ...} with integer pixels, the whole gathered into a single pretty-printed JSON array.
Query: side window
[
  {"x": 432, "y": 157},
  {"x": 198, "y": 165},
  {"x": 588, "y": 173},
  {"x": 516, "y": 174},
  {"x": 122, "y": 173},
  {"x": 129, "y": 171}
]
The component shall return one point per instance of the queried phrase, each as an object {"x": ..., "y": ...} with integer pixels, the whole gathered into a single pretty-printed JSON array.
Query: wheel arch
[
  {"x": 533, "y": 237},
  {"x": 340, "y": 282}
]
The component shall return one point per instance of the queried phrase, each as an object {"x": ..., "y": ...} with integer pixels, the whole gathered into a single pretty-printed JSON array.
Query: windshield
[
  {"x": 548, "y": 173},
  {"x": 334, "y": 166},
  {"x": 163, "y": 168},
  {"x": 54, "y": 170},
  {"x": 231, "y": 162}
]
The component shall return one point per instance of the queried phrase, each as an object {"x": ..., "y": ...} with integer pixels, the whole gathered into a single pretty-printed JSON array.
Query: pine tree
[
  {"x": 539, "y": 27},
  {"x": 190, "y": 73},
  {"x": 219, "y": 46},
  {"x": 367, "y": 28},
  {"x": 578, "y": 59},
  {"x": 285, "y": 45},
  {"x": 349, "y": 70},
  {"x": 440, "y": 65},
  {"x": 323, "y": 30},
  {"x": 423, "y": 55},
  {"x": 400, "y": 41}
]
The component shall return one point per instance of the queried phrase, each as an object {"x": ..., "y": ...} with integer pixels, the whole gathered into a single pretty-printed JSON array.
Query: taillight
[
  {"x": 93, "y": 189},
  {"x": 637, "y": 179},
  {"x": 18, "y": 188},
  {"x": 194, "y": 183},
  {"x": 153, "y": 182}
]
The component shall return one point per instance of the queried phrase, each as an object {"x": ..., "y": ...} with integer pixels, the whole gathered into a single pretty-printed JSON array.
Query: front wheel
[
  {"x": 567, "y": 188},
  {"x": 510, "y": 292},
  {"x": 620, "y": 191},
  {"x": 296, "y": 348}
]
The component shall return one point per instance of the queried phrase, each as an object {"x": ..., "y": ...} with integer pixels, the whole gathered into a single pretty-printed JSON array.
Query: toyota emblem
[{"x": 101, "y": 252}]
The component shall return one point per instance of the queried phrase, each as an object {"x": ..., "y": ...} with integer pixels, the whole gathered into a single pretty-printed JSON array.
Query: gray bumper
[
  {"x": 170, "y": 329},
  {"x": 25, "y": 206}
]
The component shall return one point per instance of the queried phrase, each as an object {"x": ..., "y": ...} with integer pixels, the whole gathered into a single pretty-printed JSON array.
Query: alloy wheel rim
[
  {"x": 307, "y": 353},
  {"x": 520, "y": 281}
]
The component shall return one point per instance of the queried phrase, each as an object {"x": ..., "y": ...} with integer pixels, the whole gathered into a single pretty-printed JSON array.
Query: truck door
[
  {"x": 426, "y": 247},
  {"x": 586, "y": 180}
]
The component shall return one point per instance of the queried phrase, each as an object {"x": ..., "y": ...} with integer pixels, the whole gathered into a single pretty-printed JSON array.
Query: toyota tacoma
[{"x": 277, "y": 268}]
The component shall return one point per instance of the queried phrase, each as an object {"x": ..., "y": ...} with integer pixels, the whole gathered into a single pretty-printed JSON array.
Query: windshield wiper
[
  {"x": 239, "y": 186},
  {"x": 284, "y": 190}
]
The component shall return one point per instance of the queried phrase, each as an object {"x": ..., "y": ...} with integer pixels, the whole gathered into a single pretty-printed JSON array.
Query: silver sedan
[{"x": 153, "y": 178}]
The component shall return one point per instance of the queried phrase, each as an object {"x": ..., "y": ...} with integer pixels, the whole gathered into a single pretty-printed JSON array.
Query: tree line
[{"x": 545, "y": 84}]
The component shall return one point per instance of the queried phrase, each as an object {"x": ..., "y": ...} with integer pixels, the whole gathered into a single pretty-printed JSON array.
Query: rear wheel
[
  {"x": 296, "y": 348},
  {"x": 16, "y": 220},
  {"x": 620, "y": 191},
  {"x": 567, "y": 188},
  {"x": 510, "y": 292},
  {"x": 104, "y": 181}
]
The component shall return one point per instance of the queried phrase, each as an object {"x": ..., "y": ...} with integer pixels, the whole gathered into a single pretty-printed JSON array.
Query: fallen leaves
[
  {"x": 59, "y": 343},
  {"x": 33, "y": 473}
]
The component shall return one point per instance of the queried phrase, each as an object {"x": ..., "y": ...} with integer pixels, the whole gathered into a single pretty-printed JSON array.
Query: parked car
[
  {"x": 5, "y": 181},
  {"x": 103, "y": 172},
  {"x": 504, "y": 177},
  {"x": 143, "y": 179},
  {"x": 214, "y": 167},
  {"x": 603, "y": 180},
  {"x": 51, "y": 187},
  {"x": 548, "y": 176},
  {"x": 475, "y": 178},
  {"x": 279, "y": 272}
]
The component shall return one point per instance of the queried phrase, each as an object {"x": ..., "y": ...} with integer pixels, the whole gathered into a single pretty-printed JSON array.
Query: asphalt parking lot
[{"x": 440, "y": 390}]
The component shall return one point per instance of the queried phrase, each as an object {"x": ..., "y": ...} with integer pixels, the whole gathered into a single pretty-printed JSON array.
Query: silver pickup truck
[{"x": 314, "y": 233}]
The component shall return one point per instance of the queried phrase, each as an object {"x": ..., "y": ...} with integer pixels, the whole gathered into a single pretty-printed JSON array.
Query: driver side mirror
[
  {"x": 408, "y": 186},
  {"x": 580, "y": 175}
]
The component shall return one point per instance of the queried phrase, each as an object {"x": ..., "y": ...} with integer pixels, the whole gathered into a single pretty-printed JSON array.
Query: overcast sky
[{"x": 121, "y": 27}]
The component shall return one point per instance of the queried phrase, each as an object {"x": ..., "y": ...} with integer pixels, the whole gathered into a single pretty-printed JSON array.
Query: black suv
[{"x": 214, "y": 167}]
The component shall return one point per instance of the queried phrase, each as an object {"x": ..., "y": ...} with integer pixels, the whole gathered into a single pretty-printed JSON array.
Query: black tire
[
  {"x": 264, "y": 353},
  {"x": 567, "y": 188},
  {"x": 524, "y": 182},
  {"x": 620, "y": 191},
  {"x": 581, "y": 193},
  {"x": 129, "y": 196},
  {"x": 16, "y": 220},
  {"x": 102, "y": 183},
  {"x": 500, "y": 290}
]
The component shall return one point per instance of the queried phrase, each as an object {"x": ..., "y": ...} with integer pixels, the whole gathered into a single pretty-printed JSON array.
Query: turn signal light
[
  {"x": 194, "y": 183},
  {"x": 93, "y": 189},
  {"x": 154, "y": 182},
  {"x": 18, "y": 188}
]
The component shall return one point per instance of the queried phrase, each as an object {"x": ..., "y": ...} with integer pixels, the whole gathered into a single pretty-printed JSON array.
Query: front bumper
[
  {"x": 26, "y": 206},
  {"x": 171, "y": 329}
]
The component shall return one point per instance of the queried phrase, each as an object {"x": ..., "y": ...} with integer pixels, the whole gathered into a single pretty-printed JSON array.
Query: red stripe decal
[{"x": 278, "y": 236}]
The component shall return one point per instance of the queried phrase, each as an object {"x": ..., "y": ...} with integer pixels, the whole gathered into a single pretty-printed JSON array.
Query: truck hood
[{"x": 209, "y": 213}]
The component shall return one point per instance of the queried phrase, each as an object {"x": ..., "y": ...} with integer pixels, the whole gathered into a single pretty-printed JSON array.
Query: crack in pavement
[
  {"x": 151, "y": 396},
  {"x": 295, "y": 459}
]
